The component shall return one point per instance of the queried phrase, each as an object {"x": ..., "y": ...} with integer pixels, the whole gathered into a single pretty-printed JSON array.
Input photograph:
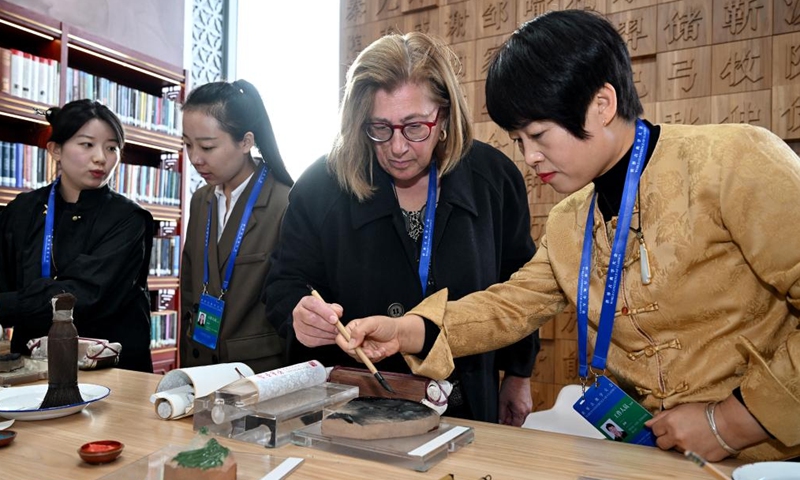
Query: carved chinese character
[
  {"x": 495, "y": 15},
  {"x": 683, "y": 70},
  {"x": 741, "y": 67},
  {"x": 684, "y": 26},
  {"x": 741, "y": 13}
]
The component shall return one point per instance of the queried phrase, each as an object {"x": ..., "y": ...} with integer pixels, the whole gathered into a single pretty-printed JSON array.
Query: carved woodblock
[
  {"x": 786, "y": 59},
  {"x": 544, "y": 369},
  {"x": 496, "y": 17},
  {"x": 495, "y": 136},
  {"x": 385, "y": 27},
  {"x": 751, "y": 107},
  {"x": 465, "y": 52},
  {"x": 786, "y": 16},
  {"x": 616, "y": 6},
  {"x": 735, "y": 20},
  {"x": 566, "y": 361},
  {"x": 480, "y": 114},
  {"x": 638, "y": 28},
  {"x": 649, "y": 109},
  {"x": 469, "y": 93},
  {"x": 409, "y": 6},
  {"x": 741, "y": 66},
  {"x": 695, "y": 111},
  {"x": 543, "y": 396},
  {"x": 353, "y": 41},
  {"x": 528, "y": 9},
  {"x": 548, "y": 331},
  {"x": 354, "y": 12},
  {"x": 383, "y": 9},
  {"x": 566, "y": 325},
  {"x": 485, "y": 49},
  {"x": 599, "y": 6},
  {"x": 644, "y": 78},
  {"x": 786, "y": 113},
  {"x": 684, "y": 24},
  {"x": 684, "y": 74},
  {"x": 426, "y": 21},
  {"x": 458, "y": 23}
]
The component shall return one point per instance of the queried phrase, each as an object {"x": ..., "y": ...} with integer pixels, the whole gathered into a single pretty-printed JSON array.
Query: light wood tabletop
[{"x": 47, "y": 449}]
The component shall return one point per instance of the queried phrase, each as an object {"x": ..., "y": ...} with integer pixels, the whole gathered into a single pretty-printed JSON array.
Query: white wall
[{"x": 290, "y": 52}]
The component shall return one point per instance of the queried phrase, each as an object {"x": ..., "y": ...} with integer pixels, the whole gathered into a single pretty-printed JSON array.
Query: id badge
[
  {"x": 615, "y": 414},
  {"x": 208, "y": 321}
]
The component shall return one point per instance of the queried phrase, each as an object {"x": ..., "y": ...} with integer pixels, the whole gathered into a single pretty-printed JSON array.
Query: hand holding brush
[{"x": 361, "y": 355}]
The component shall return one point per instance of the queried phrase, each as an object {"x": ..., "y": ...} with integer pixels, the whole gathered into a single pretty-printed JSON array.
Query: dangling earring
[{"x": 443, "y": 135}]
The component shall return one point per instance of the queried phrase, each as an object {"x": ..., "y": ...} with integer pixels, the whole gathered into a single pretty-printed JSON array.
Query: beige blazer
[{"x": 245, "y": 335}]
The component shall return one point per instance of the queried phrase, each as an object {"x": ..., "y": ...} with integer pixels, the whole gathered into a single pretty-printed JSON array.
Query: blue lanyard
[
  {"x": 614, "y": 275},
  {"x": 427, "y": 234},
  {"x": 47, "y": 241},
  {"x": 248, "y": 209}
]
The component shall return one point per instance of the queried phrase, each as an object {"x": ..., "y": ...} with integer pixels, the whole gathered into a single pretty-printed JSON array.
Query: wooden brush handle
[{"x": 363, "y": 356}]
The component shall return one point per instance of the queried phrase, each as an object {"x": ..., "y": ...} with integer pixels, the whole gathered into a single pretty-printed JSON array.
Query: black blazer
[{"x": 360, "y": 256}]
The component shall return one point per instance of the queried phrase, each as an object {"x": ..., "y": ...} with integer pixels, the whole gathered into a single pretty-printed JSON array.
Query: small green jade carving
[{"x": 211, "y": 455}]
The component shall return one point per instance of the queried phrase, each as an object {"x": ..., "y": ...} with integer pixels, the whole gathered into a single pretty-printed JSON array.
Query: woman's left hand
[
  {"x": 686, "y": 427},
  {"x": 515, "y": 401}
]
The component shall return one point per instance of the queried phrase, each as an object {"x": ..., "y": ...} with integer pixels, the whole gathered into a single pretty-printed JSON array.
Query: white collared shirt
[{"x": 222, "y": 212}]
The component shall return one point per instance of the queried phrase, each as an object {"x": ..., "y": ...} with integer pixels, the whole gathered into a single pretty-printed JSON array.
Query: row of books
[
  {"x": 25, "y": 166},
  {"x": 166, "y": 256},
  {"x": 163, "y": 329},
  {"x": 148, "y": 184},
  {"x": 133, "y": 107},
  {"x": 27, "y": 76},
  {"x": 30, "y": 167}
]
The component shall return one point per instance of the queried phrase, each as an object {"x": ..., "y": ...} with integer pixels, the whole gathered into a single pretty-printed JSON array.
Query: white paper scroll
[{"x": 175, "y": 393}]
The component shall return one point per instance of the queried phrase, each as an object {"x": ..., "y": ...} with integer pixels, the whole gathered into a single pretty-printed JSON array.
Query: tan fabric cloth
[{"x": 721, "y": 219}]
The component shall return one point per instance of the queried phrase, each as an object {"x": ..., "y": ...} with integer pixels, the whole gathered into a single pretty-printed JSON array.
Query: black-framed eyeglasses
[{"x": 414, "y": 131}]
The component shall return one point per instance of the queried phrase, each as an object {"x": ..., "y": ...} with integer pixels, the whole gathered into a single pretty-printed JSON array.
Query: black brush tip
[{"x": 384, "y": 383}]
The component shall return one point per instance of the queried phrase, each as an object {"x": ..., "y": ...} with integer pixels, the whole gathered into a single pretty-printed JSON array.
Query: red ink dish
[
  {"x": 101, "y": 451},
  {"x": 6, "y": 437}
]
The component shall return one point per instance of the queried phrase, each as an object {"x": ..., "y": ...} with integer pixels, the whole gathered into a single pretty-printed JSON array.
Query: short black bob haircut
[{"x": 551, "y": 68}]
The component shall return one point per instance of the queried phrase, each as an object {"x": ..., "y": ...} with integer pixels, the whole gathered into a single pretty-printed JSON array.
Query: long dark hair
[
  {"x": 238, "y": 108},
  {"x": 67, "y": 120}
]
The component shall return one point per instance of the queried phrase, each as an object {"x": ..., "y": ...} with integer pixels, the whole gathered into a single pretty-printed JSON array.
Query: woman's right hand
[
  {"x": 380, "y": 337},
  {"x": 314, "y": 321}
]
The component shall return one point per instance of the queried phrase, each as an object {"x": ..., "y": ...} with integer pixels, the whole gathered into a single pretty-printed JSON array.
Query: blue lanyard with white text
[
  {"x": 613, "y": 278},
  {"x": 248, "y": 209},
  {"x": 47, "y": 242},
  {"x": 427, "y": 233}
]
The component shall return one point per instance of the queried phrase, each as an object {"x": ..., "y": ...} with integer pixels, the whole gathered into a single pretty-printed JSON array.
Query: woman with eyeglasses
[{"x": 407, "y": 203}]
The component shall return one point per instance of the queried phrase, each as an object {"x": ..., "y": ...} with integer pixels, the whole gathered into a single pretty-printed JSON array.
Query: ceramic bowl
[
  {"x": 6, "y": 437},
  {"x": 768, "y": 471},
  {"x": 101, "y": 451}
]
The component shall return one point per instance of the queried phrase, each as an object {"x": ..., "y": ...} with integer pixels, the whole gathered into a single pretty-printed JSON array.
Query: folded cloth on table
[{"x": 93, "y": 353}]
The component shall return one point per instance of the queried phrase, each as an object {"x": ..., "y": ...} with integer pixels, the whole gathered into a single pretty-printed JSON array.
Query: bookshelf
[{"x": 46, "y": 62}]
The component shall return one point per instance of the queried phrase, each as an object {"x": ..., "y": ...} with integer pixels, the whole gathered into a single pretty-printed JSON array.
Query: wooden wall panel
[{"x": 694, "y": 62}]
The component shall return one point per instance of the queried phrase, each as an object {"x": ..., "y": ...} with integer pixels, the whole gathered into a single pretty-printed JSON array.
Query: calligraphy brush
[
  {"x": 359, "y": 352},
  {"x": 711, "y": 469}
]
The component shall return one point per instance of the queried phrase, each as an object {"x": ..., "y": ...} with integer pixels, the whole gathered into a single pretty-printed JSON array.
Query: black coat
[
  {"x": 360, "y": 256},
  {"x": 101, "y": 254}
]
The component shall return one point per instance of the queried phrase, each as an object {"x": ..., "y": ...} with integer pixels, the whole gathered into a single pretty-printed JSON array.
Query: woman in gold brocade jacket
[{"x": 705, "y": 331}]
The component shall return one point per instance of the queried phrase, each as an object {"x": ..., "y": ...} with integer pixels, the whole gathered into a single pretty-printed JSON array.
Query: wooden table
[{"x": 47, "y": 449}]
